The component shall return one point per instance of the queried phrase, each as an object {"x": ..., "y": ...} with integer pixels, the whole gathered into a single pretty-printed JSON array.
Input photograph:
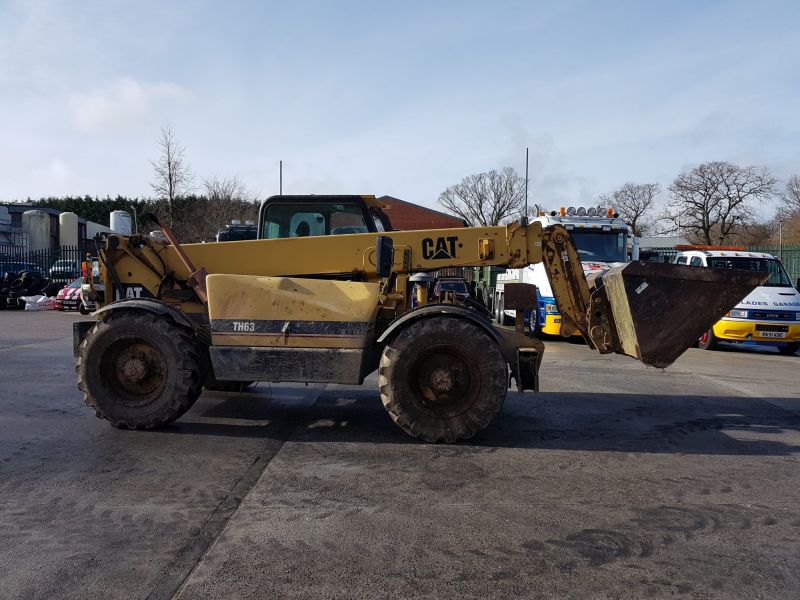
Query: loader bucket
[{"x": 659, "y": 310}]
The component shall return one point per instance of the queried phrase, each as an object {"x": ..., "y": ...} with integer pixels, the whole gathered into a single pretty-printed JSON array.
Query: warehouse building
[
  {"x": 24, "y": 228},
  {"x": 407, "y": 216},
  {"x": 659, "y": 248}
]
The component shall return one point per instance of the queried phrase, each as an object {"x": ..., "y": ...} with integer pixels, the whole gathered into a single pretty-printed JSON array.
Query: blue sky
[{"x": 402, "y": 99}]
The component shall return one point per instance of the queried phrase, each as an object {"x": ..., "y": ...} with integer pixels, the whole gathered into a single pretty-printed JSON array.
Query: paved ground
[{"x": 616, "y": 481}]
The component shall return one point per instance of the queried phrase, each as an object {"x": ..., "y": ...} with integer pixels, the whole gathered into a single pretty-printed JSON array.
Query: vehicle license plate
[{"x": 772, "y": 334}]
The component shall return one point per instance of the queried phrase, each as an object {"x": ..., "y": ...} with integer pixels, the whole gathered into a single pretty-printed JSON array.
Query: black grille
[
  {"x": 779, "y": 328},
  {"x": 776, "y": 316}
]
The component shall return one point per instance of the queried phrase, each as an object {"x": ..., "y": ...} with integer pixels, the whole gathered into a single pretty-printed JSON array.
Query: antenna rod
[
  {"x": 526, "y": 187},
  {"x": 280, "y": 184}
]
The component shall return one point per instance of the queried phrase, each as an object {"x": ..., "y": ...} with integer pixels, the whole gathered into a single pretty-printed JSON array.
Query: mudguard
[
  {"x": 430, "y": 310},
  {"x": 81, "y": 328},
  {"x": 150, "y": 305}
]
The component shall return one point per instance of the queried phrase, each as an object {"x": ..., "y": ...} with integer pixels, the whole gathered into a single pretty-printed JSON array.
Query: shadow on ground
[{"x": 560, "y": 421}]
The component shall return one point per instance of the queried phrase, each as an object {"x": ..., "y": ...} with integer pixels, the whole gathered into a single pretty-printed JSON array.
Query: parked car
[
  {"x": 768, "y": 316},
  {"x": 451, "y": 285},
  {"x": 17, "y": 267},
  {"x": 69, "y": 298},
  {"x": 236, "y": 232},
  {"x": 64, "y": 269}
]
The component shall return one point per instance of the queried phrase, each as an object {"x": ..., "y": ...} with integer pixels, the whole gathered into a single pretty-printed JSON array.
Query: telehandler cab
[{"x": 324, "y": 296}]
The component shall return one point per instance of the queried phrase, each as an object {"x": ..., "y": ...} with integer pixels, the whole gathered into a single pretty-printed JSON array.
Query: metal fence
[
  {"x": 61, "y": 265},
  {"x": 789, "y": 255}
]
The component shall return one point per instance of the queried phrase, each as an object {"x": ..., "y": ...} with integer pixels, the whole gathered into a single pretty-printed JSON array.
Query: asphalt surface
[{"x": 616, "y": 481}]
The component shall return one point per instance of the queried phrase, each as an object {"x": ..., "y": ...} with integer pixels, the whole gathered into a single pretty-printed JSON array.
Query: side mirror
[{"x": 384, "y": 255}]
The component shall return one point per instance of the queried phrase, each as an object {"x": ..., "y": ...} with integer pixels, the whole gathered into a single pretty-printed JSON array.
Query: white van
[{"x": 769, "y": 316}]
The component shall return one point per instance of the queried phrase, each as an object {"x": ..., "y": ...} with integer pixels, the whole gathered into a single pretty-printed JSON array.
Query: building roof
[
  {"x": 659, "y": 242},
  {"x": 406, "y": 215}
]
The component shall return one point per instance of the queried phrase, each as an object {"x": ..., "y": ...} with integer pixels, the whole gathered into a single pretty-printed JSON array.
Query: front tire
[
  {"x": 789, "y": 349},
  {"x": 442, "y": 379},
  {"x": 138, "y": 370},
  {"x": 708, "y": 341}
]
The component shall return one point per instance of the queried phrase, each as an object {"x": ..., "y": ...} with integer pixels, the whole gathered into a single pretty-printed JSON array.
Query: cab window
[
  {"x": 682, "y": 260},
  {"x": 696, "y": 261},
  {"x": 312, "y": 219},
  {"x": 777, "y": 274}
]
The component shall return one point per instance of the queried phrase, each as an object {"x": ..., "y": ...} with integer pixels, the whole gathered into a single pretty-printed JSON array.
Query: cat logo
[
  {"x": 443, "y": 248},
  {"x": 131, "y": 291}
]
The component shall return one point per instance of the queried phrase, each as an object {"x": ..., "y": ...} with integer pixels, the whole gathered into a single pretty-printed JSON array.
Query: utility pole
[
  {"x": 280, "y": 179},
  {"x": 780, "y": 239}
]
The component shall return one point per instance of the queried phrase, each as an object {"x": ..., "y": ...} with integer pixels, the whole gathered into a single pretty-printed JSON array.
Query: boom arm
[{"x": 607, "y": 311}]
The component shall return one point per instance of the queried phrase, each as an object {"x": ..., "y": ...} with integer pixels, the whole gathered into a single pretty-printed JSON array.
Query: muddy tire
[
  {"x": 138, "y": 370},
  {"x": 442, "y": 379},
  {"x": 708, "y": 341}
]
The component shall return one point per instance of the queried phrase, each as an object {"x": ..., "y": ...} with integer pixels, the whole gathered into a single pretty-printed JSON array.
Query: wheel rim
[
  {"x": 135, "y": 370},
  {"x": 444, "y": 381},
  {"x": 704, "y": 338}
]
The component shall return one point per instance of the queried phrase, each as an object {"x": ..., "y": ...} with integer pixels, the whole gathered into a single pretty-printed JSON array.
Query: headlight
[
  {"x": 737, "y": 313},
  {"x": 551, "y": 309}
]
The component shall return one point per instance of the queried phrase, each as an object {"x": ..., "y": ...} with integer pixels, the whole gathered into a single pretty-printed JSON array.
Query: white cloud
[
  {"x": 125, "y": 104},
  {"x": 57, "y": 178}
]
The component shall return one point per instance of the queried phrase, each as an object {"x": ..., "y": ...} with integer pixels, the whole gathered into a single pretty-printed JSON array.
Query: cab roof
[
  {"x": 369, "y": 199},
  {"x": 725, "y": 253}
]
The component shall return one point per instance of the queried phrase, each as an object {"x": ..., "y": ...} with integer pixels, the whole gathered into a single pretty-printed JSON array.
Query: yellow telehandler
[{"x": 324, "y": 296}]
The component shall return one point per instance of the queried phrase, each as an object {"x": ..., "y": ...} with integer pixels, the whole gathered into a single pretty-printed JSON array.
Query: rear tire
[
  {"x": 138, "y": 370},
  {"x": 442, "y": 379},
  {"x": 708, "y": 341},
  {"x": 789, "y": 349}
]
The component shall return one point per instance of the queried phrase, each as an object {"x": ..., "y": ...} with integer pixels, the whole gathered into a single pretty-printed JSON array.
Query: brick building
[{"x": 408, "y": 216}]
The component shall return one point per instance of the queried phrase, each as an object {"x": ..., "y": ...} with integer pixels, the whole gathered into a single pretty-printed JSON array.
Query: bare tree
[
  {"x": 714, "y": 201},
  {"x": 225, "y": 189},
  {"x": 228, "y": 199},
  {"x": 635, "y": 203},
  {"x": 790, "y": 199},
  {"x": 172, "y": 177},
  {"x": 486, "y": 199}
]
